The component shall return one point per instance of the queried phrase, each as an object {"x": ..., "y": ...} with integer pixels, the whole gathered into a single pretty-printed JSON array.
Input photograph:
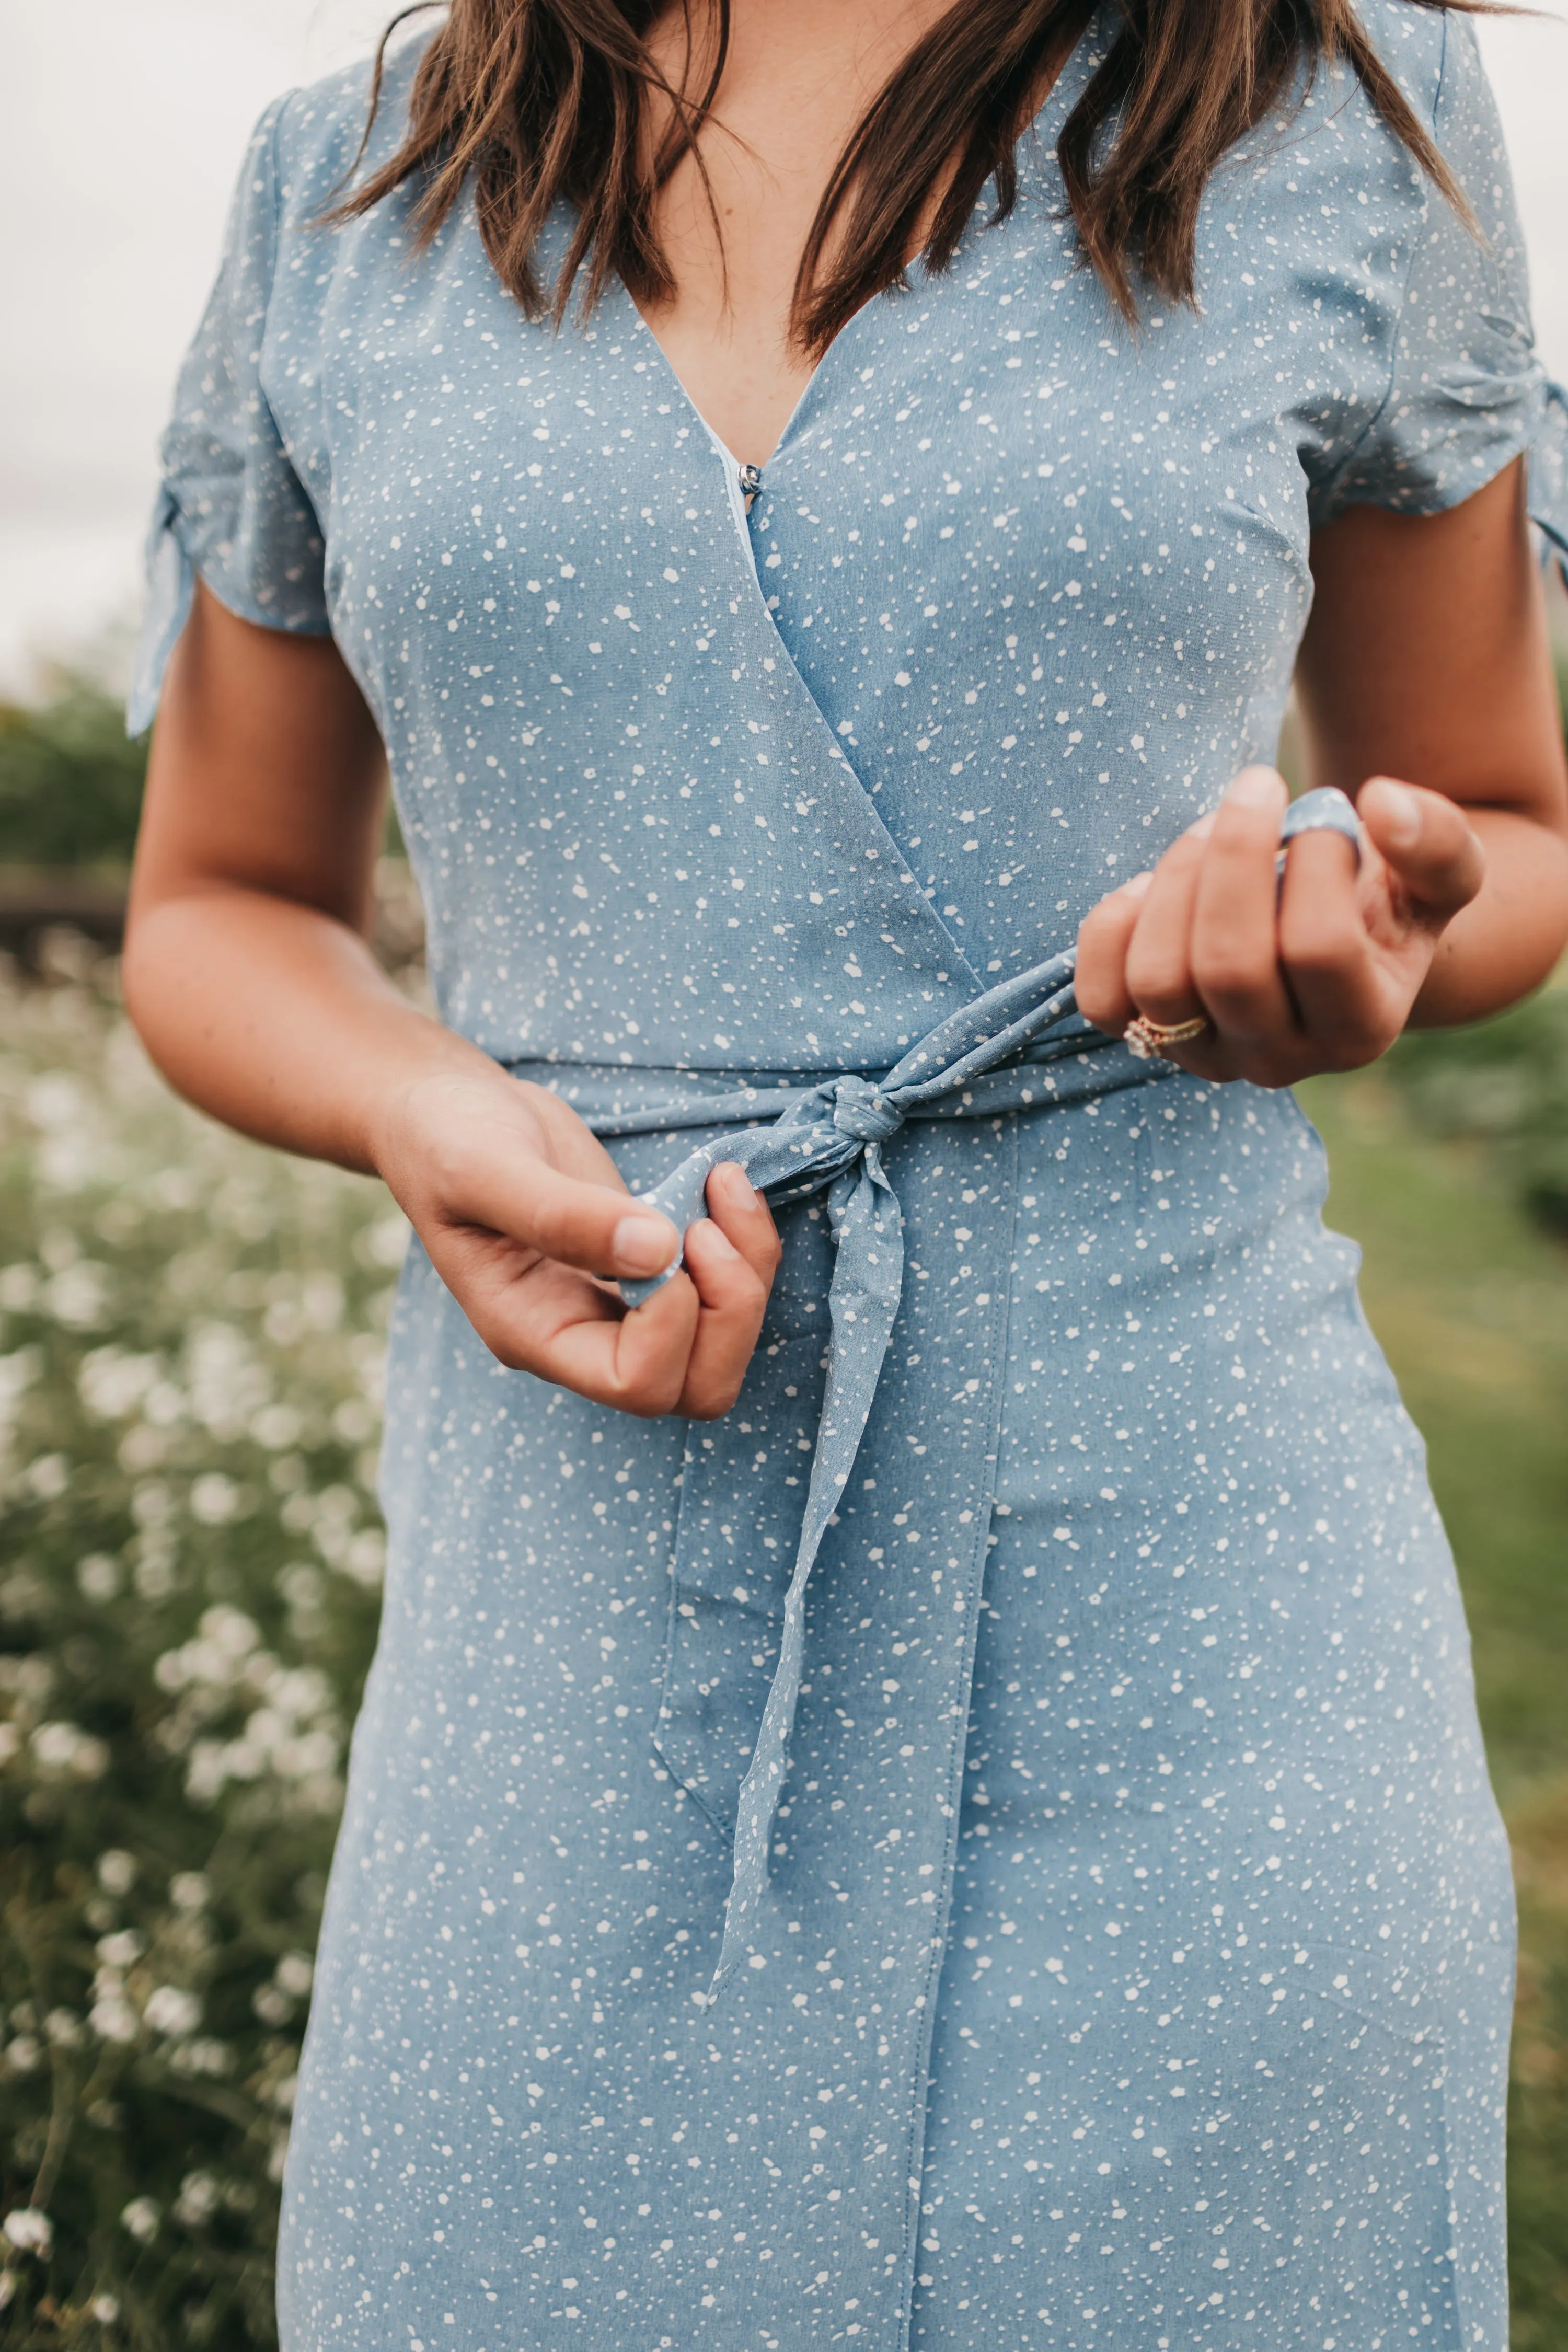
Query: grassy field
[{"x": 1471, "y": 1301}]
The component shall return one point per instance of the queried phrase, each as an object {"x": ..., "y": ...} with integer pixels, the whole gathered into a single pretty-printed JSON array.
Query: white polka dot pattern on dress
[{"x": 1132, "y": 1962}]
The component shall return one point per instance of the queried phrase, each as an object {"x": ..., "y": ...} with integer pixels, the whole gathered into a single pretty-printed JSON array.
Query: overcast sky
[{"x": 121, "y": 124}]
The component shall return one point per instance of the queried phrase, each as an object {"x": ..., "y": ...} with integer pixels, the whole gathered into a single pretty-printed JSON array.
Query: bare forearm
[
  {"x": 1505, "y": 941},
  {"x": 276, "y": 1019}
]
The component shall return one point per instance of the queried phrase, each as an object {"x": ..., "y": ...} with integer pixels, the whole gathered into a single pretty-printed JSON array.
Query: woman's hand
[
  {"x": 526, "y": 1221},
  {"x": 1320, "y": 974}
]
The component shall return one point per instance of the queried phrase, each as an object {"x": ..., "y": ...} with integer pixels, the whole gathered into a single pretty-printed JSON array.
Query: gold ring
[{"x": 1148, "y": 1039}]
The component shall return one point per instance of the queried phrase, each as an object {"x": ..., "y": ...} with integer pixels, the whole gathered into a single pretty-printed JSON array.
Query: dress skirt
[{"x": 1136, "y": 1960}]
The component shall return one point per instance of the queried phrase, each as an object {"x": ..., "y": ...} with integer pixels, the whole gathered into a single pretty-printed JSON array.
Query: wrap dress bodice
[{"x": 1125, "y": 1945}]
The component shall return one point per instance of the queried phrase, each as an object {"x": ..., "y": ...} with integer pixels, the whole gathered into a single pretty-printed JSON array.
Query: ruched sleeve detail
[
  {"x": 1466, "y": 393},
  {"x": 230, "y": 505}
]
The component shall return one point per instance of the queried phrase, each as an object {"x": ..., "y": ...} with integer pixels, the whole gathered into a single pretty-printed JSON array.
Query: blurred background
[{"x": 191, "y": 1328}]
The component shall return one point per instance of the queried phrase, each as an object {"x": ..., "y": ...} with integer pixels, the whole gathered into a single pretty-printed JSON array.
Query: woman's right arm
[{"x": 249, "y": 976}]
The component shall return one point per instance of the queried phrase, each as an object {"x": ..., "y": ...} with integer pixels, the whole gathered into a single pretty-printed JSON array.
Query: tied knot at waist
[{"x": 861, "y": 1109}]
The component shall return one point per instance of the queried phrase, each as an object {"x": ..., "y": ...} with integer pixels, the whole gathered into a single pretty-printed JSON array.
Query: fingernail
[
  {"x": 1203, "y": 827},
  {"x": 714, "y": 1238},
  {"x": 1254, "y": 788},
  {"x": 1401, "y": 814},
  {"x": 732, "y": 1178},
  {"x": 1137, "y": 885},
  {"x": 643, "y": 1244}
]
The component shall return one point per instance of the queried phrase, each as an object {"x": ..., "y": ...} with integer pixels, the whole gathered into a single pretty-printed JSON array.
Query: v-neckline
[{"x": 741, "y": 465}]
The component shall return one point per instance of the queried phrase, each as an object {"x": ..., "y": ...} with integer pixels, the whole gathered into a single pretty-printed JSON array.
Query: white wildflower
[
  {"x": 226, "y": 1382},
  {"x": 30, "y": 2232},
  {"x": 112, "y": 2019},
  {"x": 386, "y": 1242},
  {"x": 113, "y": 1382},
  {"x": 202, "y": 2056},
  {"x": 18, "y": 1373},
  {"x": 189, "y": 1891},
  {"x": 78, "y": 1297},
  {"x": 56, "y": 1100},
  {"x": 231, "y": 1630},
  {"x": 173, "y": 2011},
  {"x": 97, "y": 1576},
  {"x": 198, "y": 2201},
  {"x": 295, "y": 1973},
  {"x": 63, "y": 1748},
  {"x": 276, "y": 1426},
  {"x": 140, "y": 2216},
  {"x": 116, "y": 1871},
  {"x": 214, "y": 1500},
  {"x": 364, "y": 1558},
  {"x": 48, "y": 1477}
]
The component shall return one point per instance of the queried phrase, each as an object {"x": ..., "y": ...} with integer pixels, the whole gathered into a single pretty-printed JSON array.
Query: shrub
[{"x": 70, "y": 783}]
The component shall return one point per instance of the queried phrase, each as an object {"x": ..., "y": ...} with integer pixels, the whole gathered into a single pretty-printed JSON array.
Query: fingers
[
  {"x": 1197, "y": 937},
  {"x": 531, "y": 1172},
  {"x": 638, "y": 1362},
  {"x": 1159, "y": 958},
  {"x": 1103, "y": 939},
  {"x": 1234, "y": 942},
  {"x": 732, "y": 1256},
  {"x": 1326, "y": 953},
  {"x": 1424, "y": 839},
  {"x": 684, "y": 1351}
]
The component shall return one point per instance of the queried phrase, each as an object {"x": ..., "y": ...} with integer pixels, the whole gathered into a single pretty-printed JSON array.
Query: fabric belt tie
[
  {"x": 828, "y": 1139},
  {"x": 992, "y": 1056}
]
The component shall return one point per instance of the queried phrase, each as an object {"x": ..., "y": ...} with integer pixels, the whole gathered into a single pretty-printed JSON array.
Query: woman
[{"x": 921, "y": 1784}]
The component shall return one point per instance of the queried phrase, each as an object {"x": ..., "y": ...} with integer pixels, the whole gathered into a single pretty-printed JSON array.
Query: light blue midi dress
[{"x": 988, "y": 1845}]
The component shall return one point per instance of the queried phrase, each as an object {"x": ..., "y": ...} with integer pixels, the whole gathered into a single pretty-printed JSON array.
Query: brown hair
[{"x": 533, "y": 100}]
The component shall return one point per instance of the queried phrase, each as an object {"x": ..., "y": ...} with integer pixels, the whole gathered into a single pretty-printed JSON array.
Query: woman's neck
[{"x": 799, "y": 76}]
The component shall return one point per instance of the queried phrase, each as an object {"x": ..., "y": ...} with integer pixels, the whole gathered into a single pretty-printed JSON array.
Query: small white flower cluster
[
  {"x": 190, "y": 1375},
  {"x": 292, "y": 1734},
  {"x": 57, "y": 1751}
]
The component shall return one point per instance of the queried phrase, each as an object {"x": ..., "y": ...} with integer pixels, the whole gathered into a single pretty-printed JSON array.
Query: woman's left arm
[{"x": 1425, "y": 692}]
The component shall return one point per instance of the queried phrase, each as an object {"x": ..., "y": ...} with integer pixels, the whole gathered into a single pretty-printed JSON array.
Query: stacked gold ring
[
  {"x": 1149, "y": 1039},
  {"x": 1327, "y": 810}
]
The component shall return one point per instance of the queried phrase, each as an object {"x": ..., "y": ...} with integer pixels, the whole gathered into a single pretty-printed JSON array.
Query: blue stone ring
[{"x": 1327, "y": 810}]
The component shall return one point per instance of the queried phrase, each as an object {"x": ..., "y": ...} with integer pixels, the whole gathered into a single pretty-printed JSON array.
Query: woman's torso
[{"x": 1021, "y": 589}]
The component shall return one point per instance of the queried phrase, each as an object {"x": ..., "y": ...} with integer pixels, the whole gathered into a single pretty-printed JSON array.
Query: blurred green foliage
[
  {"x": 190, "y": 1562},
  {"x": 70, "y": 780},
  {"x": 1502, "y": 1085}
]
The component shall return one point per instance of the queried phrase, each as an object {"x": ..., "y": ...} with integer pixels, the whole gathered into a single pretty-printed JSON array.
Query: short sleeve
[
  {"x": 1467, "y": 391},
  {"x": 230, "y": 506}
]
